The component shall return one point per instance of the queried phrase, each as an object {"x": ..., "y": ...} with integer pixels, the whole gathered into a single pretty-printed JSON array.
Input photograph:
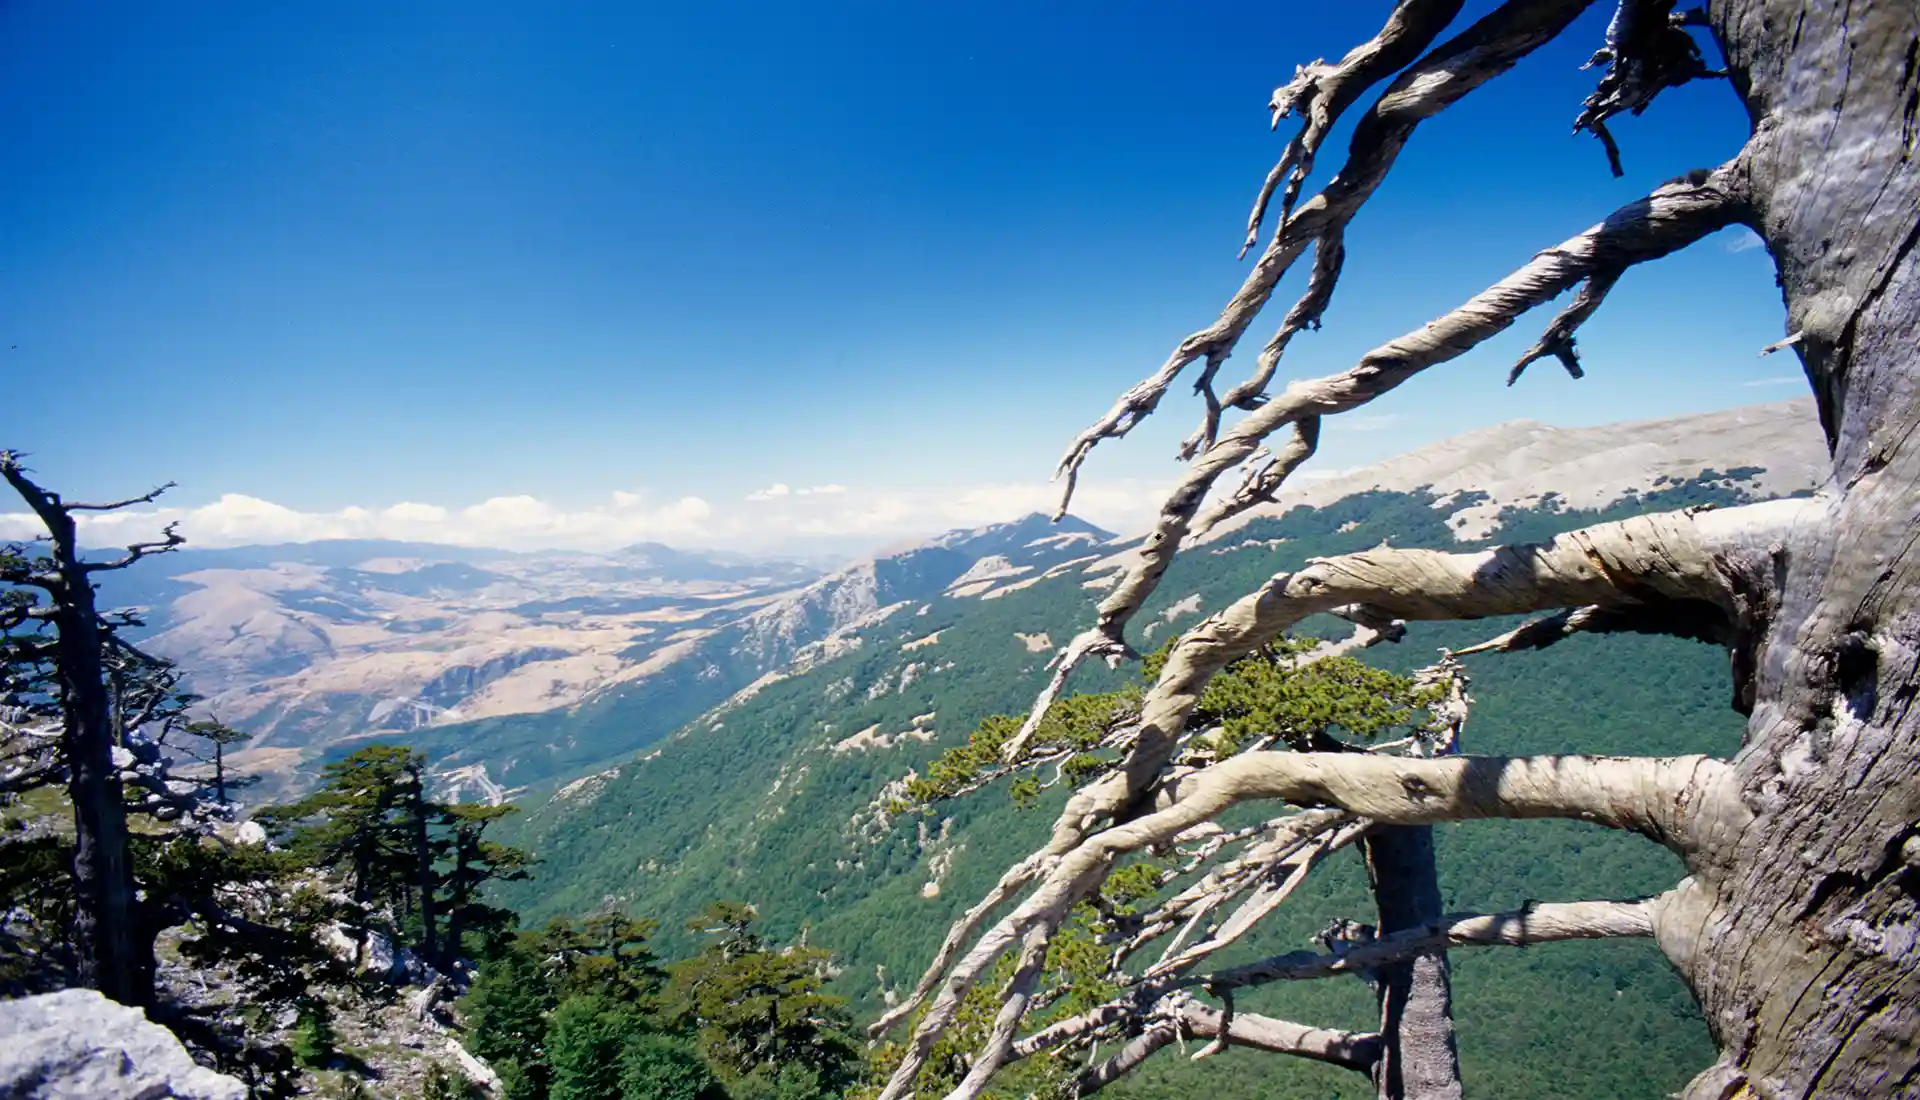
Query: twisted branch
[
  {"x": 1702, "y": 561},
  {"x": 1323, "y": 93},
  {"x": 1673, "y": 216},
  {"x": 1558, "y": 340},
  {"x": 1478, "y": 54},
  {"x": 1701, "y": 558},
  {"x": 1544, "y": 922},
  {"x": 1656, "y": 797},
  {"x": 1180, "y": 1016}
]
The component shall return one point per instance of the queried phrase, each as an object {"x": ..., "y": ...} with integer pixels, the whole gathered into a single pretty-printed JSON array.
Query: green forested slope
[{"x": 754, "y": 803}]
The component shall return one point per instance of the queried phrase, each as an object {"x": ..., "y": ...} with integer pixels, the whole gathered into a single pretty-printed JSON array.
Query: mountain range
[{"x": 681, "y": 727}]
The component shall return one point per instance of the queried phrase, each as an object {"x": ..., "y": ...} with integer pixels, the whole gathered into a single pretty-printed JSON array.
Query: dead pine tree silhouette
[
  {"x": 1797, "y": 921},
  {"x": 108, "y": 948}
]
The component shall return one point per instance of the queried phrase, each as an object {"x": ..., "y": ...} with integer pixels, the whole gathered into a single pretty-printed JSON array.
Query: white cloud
[
  {"x": 1744, "y": 240},
  {"x": 780, "y": 490},
  {"x": 1782, "y": 380},
  {"x": 519, "y": 521},
  {"x": 845, "y": 516}
]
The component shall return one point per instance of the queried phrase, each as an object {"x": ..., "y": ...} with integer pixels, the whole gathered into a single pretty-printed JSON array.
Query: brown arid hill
[{"x": 308, "y": 646}]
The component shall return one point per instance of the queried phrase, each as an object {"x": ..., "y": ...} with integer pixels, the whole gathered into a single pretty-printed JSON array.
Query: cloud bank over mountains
[{"x": 766, "y": 519}]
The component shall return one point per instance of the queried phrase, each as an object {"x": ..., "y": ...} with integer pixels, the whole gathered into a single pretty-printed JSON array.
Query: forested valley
[{"x": 722, "y": 917}]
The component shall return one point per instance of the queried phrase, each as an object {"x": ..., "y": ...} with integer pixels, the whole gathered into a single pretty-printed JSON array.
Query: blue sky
[{"x": 499, "y": 262}]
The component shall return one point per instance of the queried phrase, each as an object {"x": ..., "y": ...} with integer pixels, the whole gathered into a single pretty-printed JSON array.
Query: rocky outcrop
[{"x": 77, "y": 1045}]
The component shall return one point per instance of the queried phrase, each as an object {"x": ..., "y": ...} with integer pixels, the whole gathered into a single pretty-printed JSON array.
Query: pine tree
[
  {"x": 606, "y": 955},
  {"x": 218, "y": 738},
  {"x": 663, "y": 1067},
  {"x": 762, "y": 1015},
  {"x": 476, "y": 862},
  {"x": 506, "y": 1012},
  {"x": 585, "y": 1039},
  {"x": 106, "y": 933},
  {"x": 355, "y": 824}
]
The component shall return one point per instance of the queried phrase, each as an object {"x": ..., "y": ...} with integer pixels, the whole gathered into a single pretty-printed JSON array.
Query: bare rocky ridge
[
  {"x": 1776, "y": 449},
  {"x": 1520, "y": 461}
]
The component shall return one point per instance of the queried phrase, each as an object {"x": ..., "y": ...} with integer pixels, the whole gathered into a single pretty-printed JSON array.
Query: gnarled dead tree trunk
[
  {"x": 1798, "y": 933},
  {"x": 113, "y": 955},
  {"x": 1798, "y": 923}
]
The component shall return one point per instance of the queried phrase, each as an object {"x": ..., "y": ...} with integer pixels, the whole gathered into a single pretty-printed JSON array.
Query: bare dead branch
[
  {"x": 1680, "y": 619},
  {"x": 1322, "y": 93},
  {"x": 1649, "y": 560},
  {"x": 1035, "y": 916},
  {"x": 1262, "y": 481},
  {"x": 1329, "y": 259},
  {"x": 1544, "y": 922},
  {"x": 1781, "y": 345},
  {"x": 1013, "y": 1006},
  {"x": 1017, "y": 876},
  {"x": 1692, "y": 557},
  {"x": 1271, "y": 891},
  {"x": 1484, "y": 50},
  {"x": 1180, "y": 1015},
  {"x": 170, "y": 540},
  {"x": 1656, "y": 797},
  {"x": 1558, "y": 340},
  {"x": 1672, "y": 217},
  {"x": 1268, "y": 863},
  {"x": 1648, "y": 50},
  {"x": 147, "y": 497},
  {"x": 45, "y": 505}
]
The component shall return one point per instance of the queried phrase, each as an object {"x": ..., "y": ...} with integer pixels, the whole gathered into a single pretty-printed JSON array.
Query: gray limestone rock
[{"x": 77, "y": 1045}]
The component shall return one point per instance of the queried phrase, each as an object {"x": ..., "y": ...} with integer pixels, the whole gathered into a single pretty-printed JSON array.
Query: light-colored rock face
[{"x": 77, "y": 1045}]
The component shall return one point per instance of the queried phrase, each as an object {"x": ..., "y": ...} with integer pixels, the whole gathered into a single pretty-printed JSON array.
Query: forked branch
[
  {"x": 1543, "y": 922},
  {"x": 1672, "y": 217},
  {"x": 1478, "y": 54},
  {"x": 1180, "y": 1017},
  {"x": 1657, "y": 797},
  {"x": 1322, "y": 93}
]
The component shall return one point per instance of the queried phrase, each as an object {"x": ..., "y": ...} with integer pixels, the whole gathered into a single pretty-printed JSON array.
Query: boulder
[
  {"x": 78, "y": 1045},
  {"x": 369, "y": 952}
]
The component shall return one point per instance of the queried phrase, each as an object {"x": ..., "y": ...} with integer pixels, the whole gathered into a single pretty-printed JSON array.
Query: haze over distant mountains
[{"x": 311, "y": 645}]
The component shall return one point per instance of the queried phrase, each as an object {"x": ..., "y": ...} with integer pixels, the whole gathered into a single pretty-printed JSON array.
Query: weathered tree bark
[
  {"x": 1798, "y": 924},
  {"x": 1801, "y": 932},
  {"x": 102, "y": 871},
  {"x": 1419, "y": 1059}
]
